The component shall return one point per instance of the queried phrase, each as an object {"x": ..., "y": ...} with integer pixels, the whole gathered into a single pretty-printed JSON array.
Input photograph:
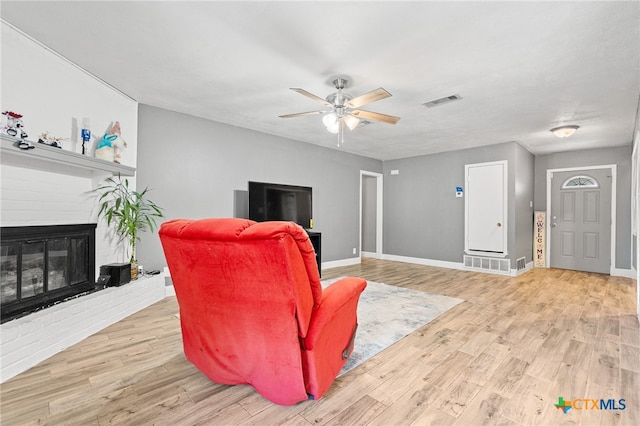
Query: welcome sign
[{"x": 539, "y": 239}]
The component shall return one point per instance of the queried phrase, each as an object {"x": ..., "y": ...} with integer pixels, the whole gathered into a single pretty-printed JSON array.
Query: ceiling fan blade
[
  {"x": 311, "y": 96},
  {"x": 389, "y": 119},
  {"x": 367, "y": 98},
  {"x": 302, "y": 114},
  {"x": 351, "y": 121}
]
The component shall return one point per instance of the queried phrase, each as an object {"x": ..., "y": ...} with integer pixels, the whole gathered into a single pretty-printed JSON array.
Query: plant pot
[{"x": 134, "y": 270}]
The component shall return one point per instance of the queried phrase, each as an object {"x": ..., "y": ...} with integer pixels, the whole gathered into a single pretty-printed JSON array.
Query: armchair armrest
[
  {"x": 339, "y": 302},
  {"x": 329, "y": 340}
]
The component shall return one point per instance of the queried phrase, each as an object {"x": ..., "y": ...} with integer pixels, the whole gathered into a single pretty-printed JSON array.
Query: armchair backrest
[{"x": 233, "y": 248}]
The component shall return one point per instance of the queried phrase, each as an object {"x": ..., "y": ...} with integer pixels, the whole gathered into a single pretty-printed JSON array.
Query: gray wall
[
  {"x": 620, "y": 156},
  {"x": 198, "y": 168},
  {"x": 424, "y": 219}
]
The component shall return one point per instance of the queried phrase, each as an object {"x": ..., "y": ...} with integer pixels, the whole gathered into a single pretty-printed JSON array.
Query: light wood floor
[{"x": 503, "y": 356}]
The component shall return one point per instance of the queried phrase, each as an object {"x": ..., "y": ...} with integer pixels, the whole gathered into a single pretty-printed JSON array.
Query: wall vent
[
  {"x": 491, "y": 264},
  {"x": 442, "y": 101},
  {"x": 521, "y": 264}
]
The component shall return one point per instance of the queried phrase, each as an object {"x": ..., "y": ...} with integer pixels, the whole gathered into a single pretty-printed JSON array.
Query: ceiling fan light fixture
[
  {"x": 330, "y": 120},
  {"x": 564, "y": 131}
]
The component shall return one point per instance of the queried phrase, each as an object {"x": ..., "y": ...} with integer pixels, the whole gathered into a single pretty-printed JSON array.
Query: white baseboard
[
  {"x": 453, "y": 265},
  {"x": 426, "y": 262},
  {"x": 616, "y": 272},
  {"x": 371, "y": 255},
  {"x": 627, "y": 273},
  {"x": 342, "y": 262}
]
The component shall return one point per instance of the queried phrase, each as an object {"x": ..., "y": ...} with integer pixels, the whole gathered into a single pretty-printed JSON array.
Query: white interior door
[{"x": 486, "y": 208}]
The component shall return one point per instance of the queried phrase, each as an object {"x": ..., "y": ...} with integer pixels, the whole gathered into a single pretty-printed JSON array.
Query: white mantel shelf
[{"x": 44, "y": 157}]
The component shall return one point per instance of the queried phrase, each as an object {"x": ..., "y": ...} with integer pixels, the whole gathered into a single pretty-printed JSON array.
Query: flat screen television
[{"x": 272, "y": 201}]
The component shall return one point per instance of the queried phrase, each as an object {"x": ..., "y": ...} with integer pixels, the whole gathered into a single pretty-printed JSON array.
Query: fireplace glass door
[
  {"x": 37, "y": 270},
  {"x": 32, "y": 282},
  {"x": 8, "y": 273}
]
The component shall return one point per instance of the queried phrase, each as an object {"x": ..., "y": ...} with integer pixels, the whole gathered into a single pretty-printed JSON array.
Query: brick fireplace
[{"x": 51, "y": 187}]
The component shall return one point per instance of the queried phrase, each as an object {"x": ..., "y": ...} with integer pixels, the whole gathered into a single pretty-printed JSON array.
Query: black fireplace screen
[{"x": 43, "y": 265}]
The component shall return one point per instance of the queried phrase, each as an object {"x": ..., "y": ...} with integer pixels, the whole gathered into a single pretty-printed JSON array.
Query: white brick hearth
[{"x": 31, "y": 339}]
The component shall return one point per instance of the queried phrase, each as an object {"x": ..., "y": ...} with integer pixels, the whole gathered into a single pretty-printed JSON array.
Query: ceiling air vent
[{"x": 442, "y": 101}]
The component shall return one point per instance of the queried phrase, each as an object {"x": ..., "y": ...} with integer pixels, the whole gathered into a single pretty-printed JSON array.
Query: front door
[{"x": 581, "y": 220}]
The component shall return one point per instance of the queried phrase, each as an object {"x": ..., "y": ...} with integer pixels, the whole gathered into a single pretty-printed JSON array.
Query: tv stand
[{"x": 316, "y": 242}]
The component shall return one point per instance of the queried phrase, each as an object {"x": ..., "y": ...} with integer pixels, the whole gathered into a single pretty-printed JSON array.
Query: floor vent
[
  {"x": 521, "y": 264},
  {"x": 491, "y": 264}
]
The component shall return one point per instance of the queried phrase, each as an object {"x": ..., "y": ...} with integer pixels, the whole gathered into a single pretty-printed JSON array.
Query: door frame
[
  {"x": 378, "y": 176},
  {"x": 614, "y": 170}
]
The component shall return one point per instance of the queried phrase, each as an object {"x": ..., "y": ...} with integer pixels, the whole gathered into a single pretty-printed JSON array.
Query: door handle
[
  {"x": 499, "y": 224},
  {"x": 553, "y": 225}
]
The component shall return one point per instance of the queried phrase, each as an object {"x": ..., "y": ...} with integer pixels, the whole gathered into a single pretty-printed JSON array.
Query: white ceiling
[{"x": 520, "y": 67}]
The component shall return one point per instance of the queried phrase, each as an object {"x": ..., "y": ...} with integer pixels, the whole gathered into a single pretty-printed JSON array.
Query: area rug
[{"x": 388, "y": 313}]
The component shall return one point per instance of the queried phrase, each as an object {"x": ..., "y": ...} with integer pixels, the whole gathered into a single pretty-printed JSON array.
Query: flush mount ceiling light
[{"x": 564, "y": 131}]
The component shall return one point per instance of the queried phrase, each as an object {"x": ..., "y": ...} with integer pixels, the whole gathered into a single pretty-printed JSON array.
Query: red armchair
[{"x": 252, "y": 309}]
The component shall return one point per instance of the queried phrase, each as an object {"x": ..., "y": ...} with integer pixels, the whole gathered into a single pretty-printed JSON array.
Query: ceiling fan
[{"x": 343, "y": 109}]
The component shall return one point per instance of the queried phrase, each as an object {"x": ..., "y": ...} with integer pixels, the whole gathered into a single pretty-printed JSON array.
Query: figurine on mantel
[
  {"x": 50, "y": 140},
  {"x": 14, "y": 126},
  {"x": 111, "y": 144}
]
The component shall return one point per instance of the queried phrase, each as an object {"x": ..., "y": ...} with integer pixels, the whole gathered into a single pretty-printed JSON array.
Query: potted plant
[{"x": 130, "y": 211}]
